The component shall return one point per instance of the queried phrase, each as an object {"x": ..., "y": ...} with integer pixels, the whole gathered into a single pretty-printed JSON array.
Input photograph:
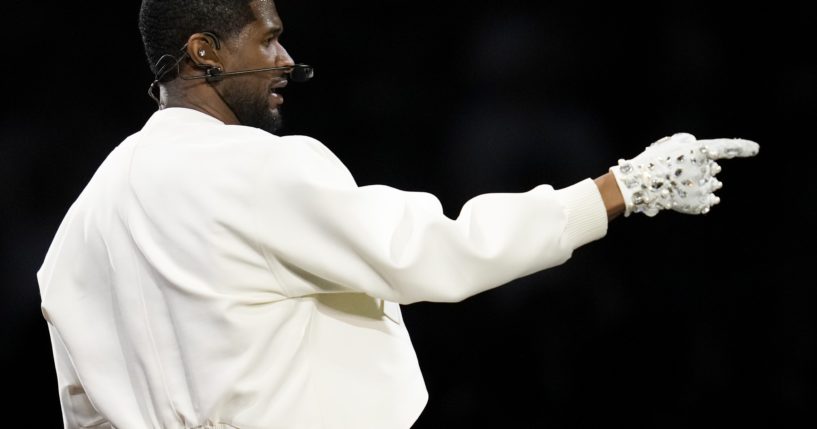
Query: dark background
[{"x": 670, "y": 322}]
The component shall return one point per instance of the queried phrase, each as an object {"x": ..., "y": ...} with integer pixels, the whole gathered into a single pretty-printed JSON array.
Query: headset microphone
[{"x": 296, "y": 73}]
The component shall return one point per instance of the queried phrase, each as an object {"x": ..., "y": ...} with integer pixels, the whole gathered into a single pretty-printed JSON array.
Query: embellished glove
[{"x": 677, "y": 173}]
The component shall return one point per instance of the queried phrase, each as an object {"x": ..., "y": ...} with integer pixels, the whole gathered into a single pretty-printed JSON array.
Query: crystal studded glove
[{"x": 677, "y": 173}]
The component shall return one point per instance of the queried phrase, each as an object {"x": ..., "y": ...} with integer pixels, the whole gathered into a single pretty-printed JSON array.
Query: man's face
[{"x": 253, "y": 98}]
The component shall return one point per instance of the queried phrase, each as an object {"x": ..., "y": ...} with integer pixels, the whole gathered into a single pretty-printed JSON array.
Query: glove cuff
[
  {"x": 634, "y": 185},
  {"x": 626, "y": 192}
]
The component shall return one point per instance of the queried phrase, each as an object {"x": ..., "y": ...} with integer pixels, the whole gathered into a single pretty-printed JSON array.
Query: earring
[{"x": 202, "y": 52}]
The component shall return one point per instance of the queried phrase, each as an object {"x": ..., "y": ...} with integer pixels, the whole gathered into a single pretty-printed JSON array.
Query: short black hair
[{"x": 167, "y": 24}]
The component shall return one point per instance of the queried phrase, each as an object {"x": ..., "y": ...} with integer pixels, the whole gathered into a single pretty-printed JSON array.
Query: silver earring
[{"x": 202, "y": 52}]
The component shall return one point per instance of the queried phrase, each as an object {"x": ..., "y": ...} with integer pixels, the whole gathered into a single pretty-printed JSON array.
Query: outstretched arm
[{"x": 320, "y": 232}]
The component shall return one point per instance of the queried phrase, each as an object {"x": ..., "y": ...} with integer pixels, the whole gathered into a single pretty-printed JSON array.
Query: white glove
[{"x": 677, "y": 173}]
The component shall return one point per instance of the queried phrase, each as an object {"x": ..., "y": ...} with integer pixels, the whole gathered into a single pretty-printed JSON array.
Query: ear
[{"x": 201, "y": 48}]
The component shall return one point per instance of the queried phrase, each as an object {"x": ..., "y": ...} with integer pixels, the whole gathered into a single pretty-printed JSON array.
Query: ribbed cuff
[{"x": 586, "y": 215}]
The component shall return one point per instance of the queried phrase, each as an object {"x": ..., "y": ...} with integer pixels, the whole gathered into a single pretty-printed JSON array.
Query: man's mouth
[{"x": 276, "y": 99}]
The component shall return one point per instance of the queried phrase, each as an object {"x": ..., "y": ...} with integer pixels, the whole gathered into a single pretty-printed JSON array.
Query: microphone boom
[{"x": 297, "y": 73}]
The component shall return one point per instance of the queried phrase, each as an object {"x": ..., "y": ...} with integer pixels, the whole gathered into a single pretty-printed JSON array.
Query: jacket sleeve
[{"x": 321, "y": 233}]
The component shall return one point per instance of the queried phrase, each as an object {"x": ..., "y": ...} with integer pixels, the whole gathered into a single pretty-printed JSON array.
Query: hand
[{"x": 677, "y": 173}]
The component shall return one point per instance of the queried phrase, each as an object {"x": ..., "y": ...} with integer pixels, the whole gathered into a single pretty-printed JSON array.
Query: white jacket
[{"x": 215, "y": 276}]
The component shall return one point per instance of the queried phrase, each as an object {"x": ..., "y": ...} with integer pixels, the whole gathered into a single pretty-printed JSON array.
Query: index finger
[{"x": 730, "y": 148}]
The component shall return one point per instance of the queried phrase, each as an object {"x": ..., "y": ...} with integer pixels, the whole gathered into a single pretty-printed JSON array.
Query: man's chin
[
  {"x": 270, "y": 121},
  {"x": 253, "y": 111}
]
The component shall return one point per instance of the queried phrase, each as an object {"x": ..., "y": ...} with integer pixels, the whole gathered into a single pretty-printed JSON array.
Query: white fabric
[{"x": 218, "y": 276}]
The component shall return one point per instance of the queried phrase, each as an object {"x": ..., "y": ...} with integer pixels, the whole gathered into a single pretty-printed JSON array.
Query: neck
[{"x": 196, "y": 95}]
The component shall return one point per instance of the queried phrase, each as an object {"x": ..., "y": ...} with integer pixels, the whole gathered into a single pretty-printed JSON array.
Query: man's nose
[{"x": 284, "y": 60}]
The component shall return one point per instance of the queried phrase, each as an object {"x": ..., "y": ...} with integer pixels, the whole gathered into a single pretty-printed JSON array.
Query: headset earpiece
[{"x": 211, "y": 73}]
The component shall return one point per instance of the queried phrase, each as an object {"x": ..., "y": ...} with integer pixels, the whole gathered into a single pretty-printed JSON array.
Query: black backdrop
[{"x": 675, "y": 321}]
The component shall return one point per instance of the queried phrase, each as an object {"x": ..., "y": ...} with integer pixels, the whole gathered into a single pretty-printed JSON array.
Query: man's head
[{"x": 231, "y": 35}]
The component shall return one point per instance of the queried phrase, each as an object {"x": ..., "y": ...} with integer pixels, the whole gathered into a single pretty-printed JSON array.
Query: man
[{"x": 215, "y": 275}]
